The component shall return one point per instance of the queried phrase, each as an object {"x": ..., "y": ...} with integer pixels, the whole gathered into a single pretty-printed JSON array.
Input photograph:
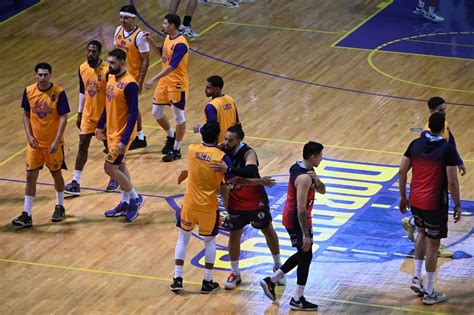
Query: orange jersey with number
[
  {"x": 179, "y": 77},
  {"x": 203, "y": 184},
  {"x": 94, "y": 82},
  {"x": 226, "y": 113},
  {"x": 128, "y": 44}
]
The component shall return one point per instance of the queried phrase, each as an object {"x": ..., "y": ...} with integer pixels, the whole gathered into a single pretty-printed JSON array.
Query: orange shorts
[
  {"x": 88, "y": 126},
  {"x": 36, "y": 158},
  {"x": 208, "y": 222},
  {"x": 113, "y": 157},
  {"x": 166, "y": 94}
]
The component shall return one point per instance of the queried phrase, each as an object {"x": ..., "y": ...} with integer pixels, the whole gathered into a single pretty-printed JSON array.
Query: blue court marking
[
  {"x": 397, "y": 20},
  {"x": 132, "y": 2},
  {"x": 10, "y": 8}
]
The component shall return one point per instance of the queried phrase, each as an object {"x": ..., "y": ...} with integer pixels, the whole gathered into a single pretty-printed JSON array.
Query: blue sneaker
[
  {"x": 113, "y": 186},
  {"x": 118, "y": 211},
  {"x": 135, "y": 206}
]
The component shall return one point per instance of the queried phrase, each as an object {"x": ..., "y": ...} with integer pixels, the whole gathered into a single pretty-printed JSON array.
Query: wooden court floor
[{"x": 291, "y": 86}]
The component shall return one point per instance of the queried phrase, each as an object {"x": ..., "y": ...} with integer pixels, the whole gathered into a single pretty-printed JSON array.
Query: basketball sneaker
[
  {"x": 433, "y": 298},
  {"x": 209, "y": 286},
  {"x": 433, "y": 17},
  {"x": 232, "y": 281},
  {"x": 282, "y": 281},
  {"x": 73, "y": 188},
  {"x": 168, "y": 145},
  {"x": 188, "y": 31},
  {"x": 302, "y": 305},
  {"x": 268, "y": 288},
  {"x": 444, "y": 252},
  {"x": 177, "y": 285},
  {"x": 59, "y": 214},
  {"x": 417, "y": 286},
  {"x": 24, "y": 220},
  {"x": 137, "y": 143},
  {"x": 171, "y": 156},
  {"x": 118, "y": 211},
  {"x": 134, "y": 208},
  {"x": 112, "y": 186},
  {"x": 419, "y": 11},
  {"x": 409, "y": 229}
]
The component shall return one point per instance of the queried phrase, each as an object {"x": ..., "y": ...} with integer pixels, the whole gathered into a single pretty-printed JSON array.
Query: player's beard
[
  {"x": 114, "y": 71},
  {"x": 92, "y": 61}
]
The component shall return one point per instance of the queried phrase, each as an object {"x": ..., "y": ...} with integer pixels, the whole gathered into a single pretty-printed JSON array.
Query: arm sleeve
[
  {"x": 451, "y": 156},
  {"x": 178, "y": 53},
  {"x": 81, "y": 83},
  {"x": 25, "y": 104},
  {"x": 131, "y": 94},
  {"x": 142, "y": 43},
  {"x": 63, "y": 104},
  {"x": 102, "y": 120},
  {"x": 249, "y": 171},
  {"x": 453, "y": 143},
  {"x": 115, "y": 35},
  {"x": 211, "y": 113}
]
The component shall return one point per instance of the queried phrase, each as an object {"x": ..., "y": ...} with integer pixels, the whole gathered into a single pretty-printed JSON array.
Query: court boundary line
[
  {"x": 169, "y": 280},
  {"x": 21, "y": 12}
]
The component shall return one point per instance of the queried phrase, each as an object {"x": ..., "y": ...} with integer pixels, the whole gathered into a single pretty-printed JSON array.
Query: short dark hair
[
  {"x": 95, "y": 43},
  {"x": 129, "y": 9},
  {"x": 434, "y": 102},
  {"x": 237, "y": 128},
  {"x": 216, "y": 81},
  {"x": 436, "y": 122},
  {"x": 44, "y": 66},
  {"x": 210, "y": 132},
  {"x": 118, "y": 53},
  {"x": 173, "y": 19},
  {"x": 312, "y": 148}
]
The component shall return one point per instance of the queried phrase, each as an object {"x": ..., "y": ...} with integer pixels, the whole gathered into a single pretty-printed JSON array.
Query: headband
[{"x": 128, "y": 14}]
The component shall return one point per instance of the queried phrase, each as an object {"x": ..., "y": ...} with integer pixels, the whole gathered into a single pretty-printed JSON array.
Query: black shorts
[
  {"x": 433, "y": 222},
  {"x": 259, "y": 219},
  {"x": 296, "y": 237}
]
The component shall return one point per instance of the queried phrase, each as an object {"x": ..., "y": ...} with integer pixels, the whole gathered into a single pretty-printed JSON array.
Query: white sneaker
[
  {"x": 409, "y": 229},
  {"x": 188, "y": 31},
  {"x": 433, "y": 298},
  {"x": 417, "y": 286},
  {"x": 232, "y": 281},
  {"x": 419, "y": 11},
  {"x": 433, "y": 17}
]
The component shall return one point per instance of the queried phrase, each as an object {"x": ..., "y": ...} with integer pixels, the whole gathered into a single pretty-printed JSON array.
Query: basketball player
[
  {"x": 200, "y": 204},
  {"x": 433, "y": 162},
  {"x": 185, "y": 28},
  {"x": 297, "y": 219},
  {"x": 131, "y": 39},
  {"x": 430, "y": 14},
  {"x": 436, "y": 105},
  {"x": 92, "y": 83},
  {"x": 173, "y": 86},
  {"x": 45, "y": 107},
  {"x": 120, "y": 116},
  {"x": 246, "y": 204},
  {"x": 222, "y": 108}
]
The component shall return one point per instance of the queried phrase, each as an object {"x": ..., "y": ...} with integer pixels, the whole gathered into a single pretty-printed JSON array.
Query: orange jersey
[
  {"x": 203, "y": 184},
  {"x": 117, "y": 106},
  {"x": 92, "y": 83},
  {"x": 45, "y": 108},
  {"x": 175, "y": 54},
  {"x": 226, "y": 112},
  {"x": 128, "y": 44}
]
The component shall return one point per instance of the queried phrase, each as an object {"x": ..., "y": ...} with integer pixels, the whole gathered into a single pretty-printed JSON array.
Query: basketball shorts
[
  {"x": 169, "y": 94},
  {"x": 114, "y": 157},
  {"x": 433, "y": 222},
  {"x": 88, "y": 126},
  {"x": 37, "y": 157},
  {"x": 208, "y": 222},
  {"x": 259, "y": 219}
]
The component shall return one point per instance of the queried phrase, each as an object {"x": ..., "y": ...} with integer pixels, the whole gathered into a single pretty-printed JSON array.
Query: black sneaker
[
  {"x": 73, "y": 188},
  {"x": 209, "y": 286},
  {"x": 268, "y": 288},
  {"x": 137, "y": 143},
  {"x": 168, "y": 145},
  {"x": 177, "y": 285},
  {"x": 302, "y": 305},
  {"x": 171, "y": 156},
  {"x": 24, "y": 220},
  {"x": 59, "y": 214}
]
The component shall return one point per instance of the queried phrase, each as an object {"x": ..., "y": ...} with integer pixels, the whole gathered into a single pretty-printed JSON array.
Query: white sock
[
  {"x": 141, "y": 135},
  {"x": 178, "y": 271},
  {"x": 177, "y": 145},
  {"x": 418, "y": 268},
  {"x": 60, "y": 198},
  {"x": 299, "y": 292},
  {"x": 276, "y": 261},
  {"x": 411, "y": 221},
  {"x": 430, "y": 282},
  {"x": 277, "y": 275},
  {"x": 125, "y": 197},
  {"x": 234, "y": 265},
  {"x": 431, "y": 9},
  {"x": 77, "y": 176},
  {"x": 170, "y": 133},
  {"x": 207, "y": 274},
  {"x": 421, "y": 4},
  {"x": 28, "y": 204},
  {"x": 132, "y": 194}
]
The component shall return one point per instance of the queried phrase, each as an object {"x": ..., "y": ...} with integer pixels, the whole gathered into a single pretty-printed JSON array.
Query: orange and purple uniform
[
  {"x": 174, "y": 87},
  {"x": 222, "y": 110},
  {"x": 200, "y": 204},
  {"x": 120, "y": 114},
  {"x": 92, "y": 83},
  {"x": 129, "y": 43},
  {"x": 45, "y": 108}
]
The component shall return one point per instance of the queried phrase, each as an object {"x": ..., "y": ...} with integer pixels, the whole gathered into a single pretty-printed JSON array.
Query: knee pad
[
  {"x": 178, "y": 115},
  {"x": 157, "y": 111}
]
